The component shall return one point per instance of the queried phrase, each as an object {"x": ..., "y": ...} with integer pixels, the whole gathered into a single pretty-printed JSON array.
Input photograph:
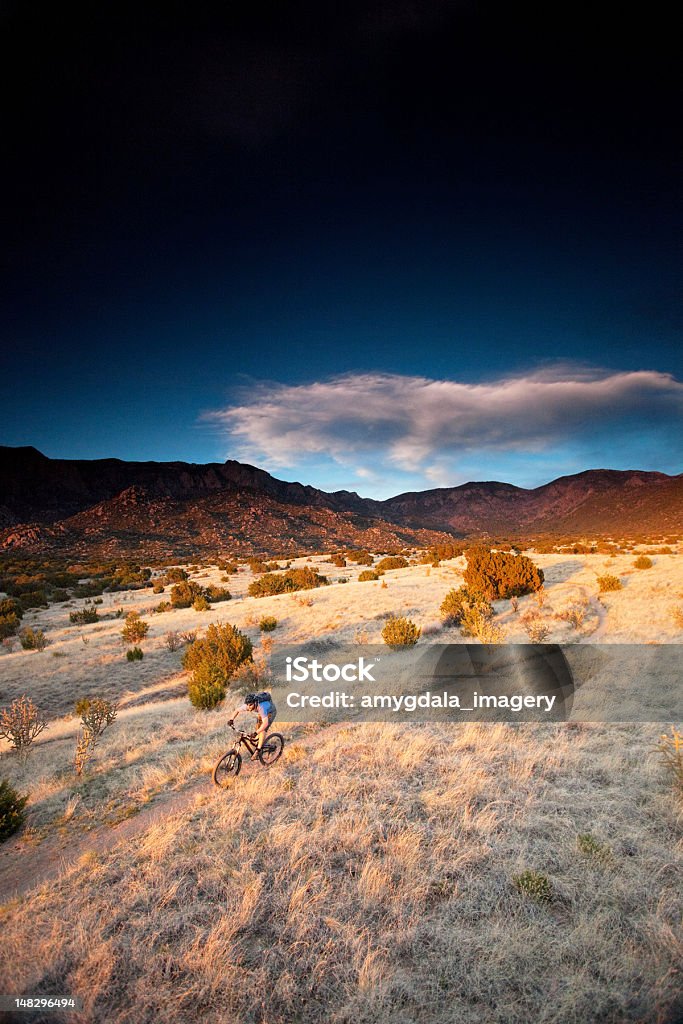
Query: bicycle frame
[{"x": 243, "y": 740}]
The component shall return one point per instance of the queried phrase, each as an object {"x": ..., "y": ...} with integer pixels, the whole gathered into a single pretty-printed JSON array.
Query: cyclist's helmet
[{"x": 251, "y": 700}]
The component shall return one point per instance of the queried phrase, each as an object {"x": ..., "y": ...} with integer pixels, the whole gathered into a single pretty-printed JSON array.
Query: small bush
[
  {"x": 477, "y": 621},
  {"x": 84, "y": 616},
  {"x": 34, "y": 599},
  {"x": 400, "y": 632},
  {"x": 158, "y": 588},
  {"x": 607, "y": 583},
  {"x": 189, "y": 637},
  {"x": 643, "y": 562},
  {"x": 183, "y": 595},
  {"x": 163, "y": 606},
  {"x": 498, "y": 574},
  {"x": 32, "y": 639},
  {"x": 135, "y": 628},
  {"x": 591, "y": 847},
  {"x": 367, "y": 576},
  {"x": 535, "y": 885},
  {"x": 11, "y": 606},
  {"x": 175, "y": 575},
  {"x": 267, "y": 624},
  {"x": 97, "y": 715},
  {"x": 574, "y": 614},
  {"x": 200, "y": 604},
  {"x": 453, "y": 606},
  {"x": 212, "y": 661},
  {"x": 12, "y": 814},
  {"x": 286, "y": 582},
  {"x": 392, "y": 562},
  {"x": 359, "y": 557},
  {"x": 215, "y": 594},
  {"x": 20, "y": 724},
  {"x": 9, "y": 624},
  {"x": 536, "y": 629},
  {"x": 173, "y": 641},
  {"x": 135, "y": 654},
  {"x": 339, "y": 561}
]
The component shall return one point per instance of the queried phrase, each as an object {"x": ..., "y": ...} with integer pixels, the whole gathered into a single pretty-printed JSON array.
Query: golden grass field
[{"x": 370, "y": 874}]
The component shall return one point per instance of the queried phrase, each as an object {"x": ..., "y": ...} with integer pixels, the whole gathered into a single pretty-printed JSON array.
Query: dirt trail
[{"x": 22, "y": 868}]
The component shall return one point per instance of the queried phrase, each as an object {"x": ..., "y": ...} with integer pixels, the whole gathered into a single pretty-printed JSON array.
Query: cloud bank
[{"x": 379, "y": 421}]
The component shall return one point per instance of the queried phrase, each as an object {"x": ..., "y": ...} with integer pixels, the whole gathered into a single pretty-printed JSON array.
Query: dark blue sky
[{"x": 204, "y": 208}]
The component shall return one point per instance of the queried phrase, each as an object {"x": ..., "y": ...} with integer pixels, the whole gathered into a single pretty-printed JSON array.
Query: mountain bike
[{"x": 228, "y": 765}]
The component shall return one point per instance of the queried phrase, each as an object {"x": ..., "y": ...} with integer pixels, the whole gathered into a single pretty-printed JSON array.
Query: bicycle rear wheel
[
  {"x": 226, "y": 768},
  {"x": 271, "y": 749}
]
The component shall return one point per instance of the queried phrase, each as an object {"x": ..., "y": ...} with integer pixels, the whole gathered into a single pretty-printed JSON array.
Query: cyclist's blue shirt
[{"x": 265, "y": 708}]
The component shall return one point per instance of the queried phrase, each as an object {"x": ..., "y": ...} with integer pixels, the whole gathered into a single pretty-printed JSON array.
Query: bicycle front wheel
[
  {"x": 271, "y": 749},
  {"x": 226, "y": 768}
]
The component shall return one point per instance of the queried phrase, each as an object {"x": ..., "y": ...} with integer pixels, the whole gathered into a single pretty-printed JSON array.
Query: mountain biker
[{"x": 261, "y": 705}]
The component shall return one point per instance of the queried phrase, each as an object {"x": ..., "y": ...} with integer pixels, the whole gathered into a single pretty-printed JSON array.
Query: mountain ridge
[{"x": 111, "y": 504}]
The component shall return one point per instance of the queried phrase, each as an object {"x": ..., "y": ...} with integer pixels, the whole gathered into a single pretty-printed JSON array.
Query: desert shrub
[
  {"x": 361, "y": 557},
  {"x": 215, "y": 594},
  {"x": 189, "y": 637},
  {"x": 286, "y": 582},
  {"x": 213, "y": 660},
  {"x": 88, "y": 590},
  {"x": 643, "y": 562},
  {"x": 343, "y": 579},
  {"x": 339, "y": 561},
  {"x": 230, "y": 568},
  {"x": 477, "y": 622},
  {"x": 458, "y": 604},
  {"x": 9, "y": 624},
  {"x": 83, "y": 616},
  {"x": 134, "y": 629},
  {"x": 183, "y": 595},
  {"x": 11, "y": 606},
  {"x": 200, "y": 604},
  {"x": 175, "y": 575},
  {"x": 257, "y": 565},
  {"x": 267, "y": 624},
  {"x": 535, "y": 885},
  {"x": 536, "y": 629},
  {"x": 392, "y": 562},
  {"x": 12, "y": 814},
  {"x": 497, "y": 574},
  {"x": 400, "y": 632},
  {"x": 574, "y": 614},
  {"x": 367, "y": 576},
  {"x": 671, "y": 750},
  {"x": 453, "y": 606},
  {"x": 591, "y": 847},
  {"x": 97, "y": 715},
  {"x": 607, "y": 583},
  {"x": 173, "y": 641},
  {"x": 158, "y": 588},
  {"x": 163, "y": 606},
  {"x": 20, "y": 724},
  {"x": 135, "y": 654},
  {"x": 32, "y": 639},
  {"x": 34, "y": 599}
]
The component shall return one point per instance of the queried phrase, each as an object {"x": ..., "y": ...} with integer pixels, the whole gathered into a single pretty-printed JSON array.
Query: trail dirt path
[{"x": 22, "y": 868}]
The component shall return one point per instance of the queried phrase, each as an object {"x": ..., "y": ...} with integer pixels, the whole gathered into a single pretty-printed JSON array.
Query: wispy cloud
[{"x": 427, "y": 427}]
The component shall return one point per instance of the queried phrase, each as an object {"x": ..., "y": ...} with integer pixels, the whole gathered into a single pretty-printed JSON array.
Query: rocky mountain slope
[{"x": 171, "y": 509}]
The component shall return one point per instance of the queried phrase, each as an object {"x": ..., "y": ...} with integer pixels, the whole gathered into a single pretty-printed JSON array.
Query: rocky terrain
[{"x": 175, "y": 509}]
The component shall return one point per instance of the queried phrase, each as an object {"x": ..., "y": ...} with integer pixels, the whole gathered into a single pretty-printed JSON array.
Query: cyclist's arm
[{"x": 236, "y": 712}]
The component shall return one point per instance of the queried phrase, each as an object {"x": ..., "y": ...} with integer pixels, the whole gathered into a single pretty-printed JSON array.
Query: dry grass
[
  {"x": 370, "y": 875},
  {"x": 373, "y": 880}
]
